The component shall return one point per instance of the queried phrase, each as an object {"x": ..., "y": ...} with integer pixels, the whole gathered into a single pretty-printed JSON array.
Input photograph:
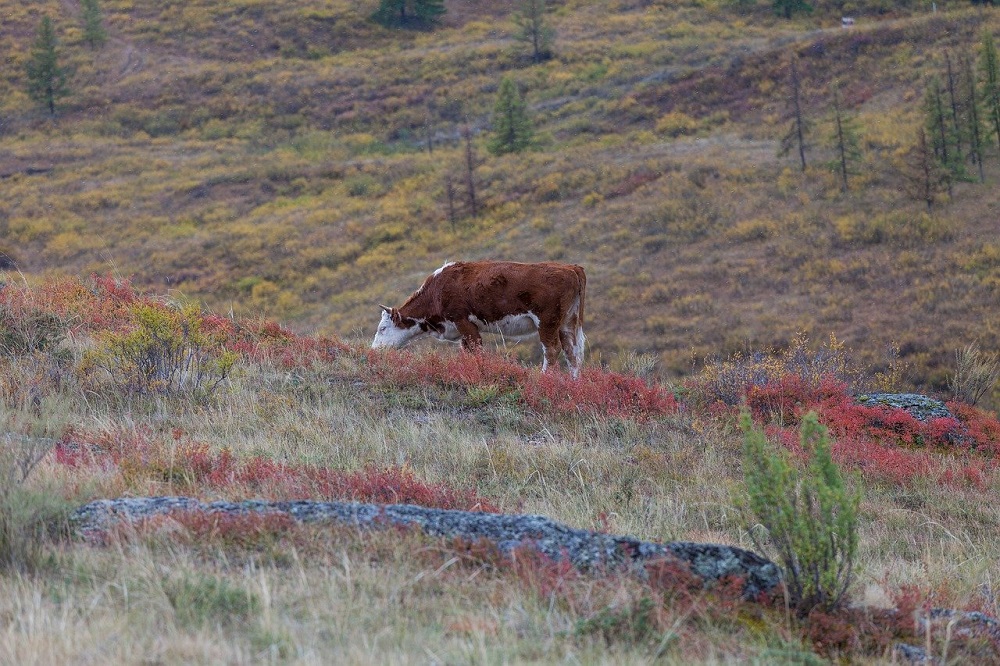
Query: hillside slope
[{"x": 272, "y": 158}]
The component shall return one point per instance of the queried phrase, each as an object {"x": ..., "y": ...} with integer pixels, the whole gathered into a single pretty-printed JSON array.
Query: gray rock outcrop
[
  {"x": 584, "y": 548},
  {"x": 919, "y": 406}
]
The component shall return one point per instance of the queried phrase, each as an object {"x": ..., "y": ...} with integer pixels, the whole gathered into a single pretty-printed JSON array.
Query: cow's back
[{"x": 491, "y": 290}]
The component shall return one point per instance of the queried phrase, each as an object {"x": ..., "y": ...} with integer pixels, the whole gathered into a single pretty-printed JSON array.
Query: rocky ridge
[{"x": 584, "y": 548}]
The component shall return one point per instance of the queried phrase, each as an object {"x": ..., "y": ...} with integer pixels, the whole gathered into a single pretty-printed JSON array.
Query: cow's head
[{"x": 395, "y": 330}]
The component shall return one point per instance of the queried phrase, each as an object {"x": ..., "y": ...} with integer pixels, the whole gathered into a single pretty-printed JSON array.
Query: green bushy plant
[
  {"x": 164, "y": 350},
  {"x": 809, "y": 515}
]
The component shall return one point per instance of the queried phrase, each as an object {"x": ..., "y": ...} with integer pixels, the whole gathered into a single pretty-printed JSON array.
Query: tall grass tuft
[{"x": 976, "y": 374}]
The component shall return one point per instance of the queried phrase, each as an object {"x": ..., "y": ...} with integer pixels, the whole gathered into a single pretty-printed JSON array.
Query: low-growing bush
[
  {"x": 810, "y": 517},
  {"x": 163, "y": 349},
  {"x": 730, "y": 380}
]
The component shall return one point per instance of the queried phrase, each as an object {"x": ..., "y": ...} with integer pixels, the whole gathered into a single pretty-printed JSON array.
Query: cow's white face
[{"x": 394, "y": 331}]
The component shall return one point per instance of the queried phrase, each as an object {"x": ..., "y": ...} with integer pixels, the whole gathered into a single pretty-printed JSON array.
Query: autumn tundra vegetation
[{"x": 782, "y": 220}]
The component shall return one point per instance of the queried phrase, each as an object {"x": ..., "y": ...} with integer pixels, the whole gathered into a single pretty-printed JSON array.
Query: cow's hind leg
[{"x": 573, "y": 340}]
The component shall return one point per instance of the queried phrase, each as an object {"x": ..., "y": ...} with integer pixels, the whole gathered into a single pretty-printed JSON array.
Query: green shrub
[
  {"x": 810, "y": 517},
  {"x": 165, "y": 350}
]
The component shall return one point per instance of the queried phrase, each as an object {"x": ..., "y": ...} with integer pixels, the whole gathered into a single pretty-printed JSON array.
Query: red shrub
[
  {"x": 596, "y": 391},
  {"x": 832, "y": 633},
  {"x": 600, "y": 392},
  {"x": 983, "y": 428}
]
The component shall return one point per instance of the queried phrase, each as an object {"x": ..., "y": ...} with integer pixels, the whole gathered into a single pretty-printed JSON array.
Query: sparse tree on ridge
[
  {"x": 46, "y": 79},
  {"x": 846, "y": 142},
  {"x": 796, "y": 134},
  {"x": 533, "y": 29},
  {"x": 93, "y": 24},
  {"x": 417, "y": 13},
  {"x": 512, "y": 131}
]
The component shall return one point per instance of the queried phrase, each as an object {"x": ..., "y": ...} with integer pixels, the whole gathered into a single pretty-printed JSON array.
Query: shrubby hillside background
[{"x": 272, "y": 159}]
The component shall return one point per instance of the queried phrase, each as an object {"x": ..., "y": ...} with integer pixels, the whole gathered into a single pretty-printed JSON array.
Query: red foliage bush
[
  {"x": 883, "y": 443},
  {"x": 595, "y": 392}
]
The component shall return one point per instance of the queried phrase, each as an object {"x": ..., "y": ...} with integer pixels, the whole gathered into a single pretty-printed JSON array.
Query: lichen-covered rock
[
  {"x": 919, "y": 406},
  {"x": 584, "y": 548}
]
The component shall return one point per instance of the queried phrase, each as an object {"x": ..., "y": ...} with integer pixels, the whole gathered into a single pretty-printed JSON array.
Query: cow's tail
[{"x": 582, "y": 279}]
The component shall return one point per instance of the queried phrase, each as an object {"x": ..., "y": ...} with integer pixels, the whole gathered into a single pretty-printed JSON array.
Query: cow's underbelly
[{"x": 512, "y": 326}]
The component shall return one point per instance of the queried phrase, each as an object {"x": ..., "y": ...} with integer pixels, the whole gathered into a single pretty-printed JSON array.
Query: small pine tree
[
  {"x": 512, "y": 130},
  {"x": 533, "y": 29},
  {"x": 846, "y": 142},
  {"x": 810, "y": 516},
  {"x": 46, "y": 79},
  {"x": 989, "y": 65},
  {"x": 93, "y": 24},
  {"x": 414, "y": 13}
]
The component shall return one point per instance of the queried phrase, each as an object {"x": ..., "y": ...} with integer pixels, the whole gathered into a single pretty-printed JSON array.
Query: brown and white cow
[{"x": 461, "y": 300}]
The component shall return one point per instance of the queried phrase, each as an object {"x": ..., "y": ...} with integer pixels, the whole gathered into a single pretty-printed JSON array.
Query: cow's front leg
[{"x": 471, "y": 339}]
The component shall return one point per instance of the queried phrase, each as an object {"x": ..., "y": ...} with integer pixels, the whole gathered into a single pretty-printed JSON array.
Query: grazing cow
[{"x": 460, "y": 300}]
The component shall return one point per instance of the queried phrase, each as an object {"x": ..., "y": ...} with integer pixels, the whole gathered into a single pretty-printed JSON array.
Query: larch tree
[
  {"x": 46, "y": 79},
  {"x": 512, "y": 131},
  {"x": 795, "y": 138},
  {"x": 942, "y": 134},
  {"x": 989, "y": 65},
  {"x": 845, "y": 140},
  {"x": 926, "y": 178},
  {"x": 973, "y": 113}
]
